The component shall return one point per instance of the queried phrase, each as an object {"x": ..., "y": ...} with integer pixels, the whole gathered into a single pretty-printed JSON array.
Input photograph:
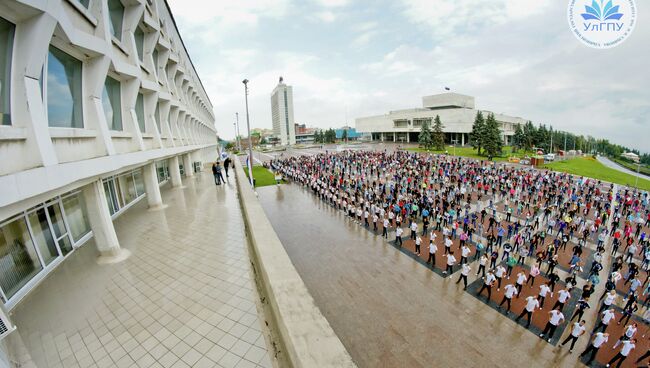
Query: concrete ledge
[{"x": 305, "y": 338}]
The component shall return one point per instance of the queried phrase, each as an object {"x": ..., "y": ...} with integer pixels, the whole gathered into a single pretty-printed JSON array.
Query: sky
[{"x": 349, "y": 58}]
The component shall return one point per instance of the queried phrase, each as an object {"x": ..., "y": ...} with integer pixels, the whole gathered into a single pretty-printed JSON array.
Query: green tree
[
  {"x": 438, "y": 138},
  {"x": 529, "y": 135},
  {"x": 425, "y": 139},
  {"x": 329, "y": 136},
  {"x": 518, "y": 140},
  {"x": 478, "y": 131},
  {"x": 492, "y": 143},
  {"x": 344, "y": 135}
]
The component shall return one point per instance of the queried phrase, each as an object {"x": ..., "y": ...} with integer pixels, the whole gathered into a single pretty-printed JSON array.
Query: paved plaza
[
  {"x": 392, "y": 309},
  {"x": 184, "y": 298}
]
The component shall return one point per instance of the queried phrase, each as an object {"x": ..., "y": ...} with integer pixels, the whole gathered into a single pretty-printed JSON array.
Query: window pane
[
  {"x": 110, "y": 198},
  {"x": 63, "y": 90},
  {"x": 43, "y": 236},
  {"x": 116, "y": 13},
  {"x": 154, "y": 54},
  {"x": 128, "y": 188},
  {"x": 85, "y": 3},
  {"x": 139, "y": 182},
  {"x": 139, "y": 111},
  {"x": 157, "y": 116},
  {"x": 112, "y": 104},
  {"x": 6, "y": 47},
  {"x": 61, "y": 232},
  {"x": 76, "y": 215},
  {"x": 18, "y": 259},
  {"x": 138, "y": 34}
]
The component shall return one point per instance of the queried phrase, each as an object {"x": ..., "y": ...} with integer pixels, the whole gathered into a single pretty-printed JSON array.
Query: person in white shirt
[
  {"x": 508, "y": 292},
  {"x": 398, "y": 236},
  {"x": 529, "y": 308},
  {"x": 488, "y": 281},
  {"x": 499, "y": 273},
  {"x": 418, "y": 241},
  {"x": 562, "y": 297},
  {"x": 577, "y": 330},
  {"x": 384, "y": 230},
  {"x": 448, "y": 243},
  {"x": 464, "y": 253},
  {"x": 555, "y": 318},
  {"x": 610, "y": 298},
  {"x": 433, "y": 248},
  {"x": 544, "y": 290},
  {"x": 607, "y": 317},
  {"x": 374, "y": 222},
  {"x": 521, "y": 279},
  {"x": 599, "y": 340},
  {"x": 414, "y": 229},
  {"x": 628, "y": 334},
  {"x": 625, "y": 351},
  {"x": 451, "y": 261},
  {"x": 464, "y": 271},
  {"x": 481, "y": 265}
]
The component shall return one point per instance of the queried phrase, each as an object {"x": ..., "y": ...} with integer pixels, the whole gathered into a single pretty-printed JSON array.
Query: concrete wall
[{"x": 301, "y": 334}]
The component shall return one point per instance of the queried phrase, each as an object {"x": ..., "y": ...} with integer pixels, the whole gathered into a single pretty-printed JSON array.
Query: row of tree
[
  {"x": 486, "y": 135},
  {"x": 432, "y": 137},
  {"x": 327, "y": 136}
]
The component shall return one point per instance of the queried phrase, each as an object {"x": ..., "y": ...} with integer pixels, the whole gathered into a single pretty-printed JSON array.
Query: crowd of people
[{"x": 505, "y": 216}]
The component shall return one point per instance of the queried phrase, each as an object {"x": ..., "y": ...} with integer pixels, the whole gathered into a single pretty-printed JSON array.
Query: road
[{"x": 613, "y": 165}]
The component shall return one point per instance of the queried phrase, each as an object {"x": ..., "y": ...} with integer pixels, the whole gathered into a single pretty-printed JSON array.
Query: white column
[
  {"x": 382, "y": 136},
  {"x": 394, "y": 137},
  {"x": 102, "y": 225},
  {"x": 408, "y": 137},
  {"x": 462, "y": 139},
  {"x": 187, "y": 165},
  {"x": 175, "y": 172},
  {"x": 154, "y": 199}
]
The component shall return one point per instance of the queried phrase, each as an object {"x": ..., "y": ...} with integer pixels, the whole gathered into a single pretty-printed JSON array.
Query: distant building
[
  {"x": 282, "y": 113},
  {"x": 352, "y": 134},
  {"x": 631, "y": 156},
  {"x": 457, "y": 113}
]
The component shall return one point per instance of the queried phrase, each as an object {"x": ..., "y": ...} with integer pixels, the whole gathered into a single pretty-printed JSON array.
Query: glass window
[
  {"x": 112, "y": 105},
  {"x": 76, "y": 215},
  {"x": 109, "y": 190},
  {"x": 85, "y": 3},
  {"x": 163, "y": 171},
  {"x": 139, "y": 182},
  {"x": 116, "y": 13},
  {"x": 154, "y": 54},
  {"x": 64, "y": 99},
  {"x": 43, "y": 236},
  {"x": 128, "y": 188},
  {"x": 157, "y": 116},
  {"x": 18, "y": 259},
  {"x": 138, "y": 34},
  {"x": 59, "y": 228},
  {"x": 139, "y": 111},
  {"x": 6, "y": 49}
]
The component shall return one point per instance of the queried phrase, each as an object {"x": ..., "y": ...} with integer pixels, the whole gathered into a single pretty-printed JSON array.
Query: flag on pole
[{"x": 250, "y": 169}]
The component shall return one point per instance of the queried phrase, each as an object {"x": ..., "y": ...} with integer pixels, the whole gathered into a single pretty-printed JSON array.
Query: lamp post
[
  {"x": 238, "y": 137},
  {"x": 638, "y": 168},
  {"x": 248, "y": 127}
]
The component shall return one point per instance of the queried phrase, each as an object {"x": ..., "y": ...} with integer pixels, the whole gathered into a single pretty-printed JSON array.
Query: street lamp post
[
  {"x": 248, "y": 127},
  {"x": 638, "y": 168},
  {"x": 238, "y": 137}
]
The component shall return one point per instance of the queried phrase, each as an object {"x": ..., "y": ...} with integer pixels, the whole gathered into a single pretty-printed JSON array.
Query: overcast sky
[{"x": 348, "y": 58}]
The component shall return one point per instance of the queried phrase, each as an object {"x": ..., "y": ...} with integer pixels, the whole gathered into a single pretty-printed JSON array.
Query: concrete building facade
[
  {"x": 282, "y": 113},
  {"x": 100, "y": 106},
  {"x": 457, "y": 113}
]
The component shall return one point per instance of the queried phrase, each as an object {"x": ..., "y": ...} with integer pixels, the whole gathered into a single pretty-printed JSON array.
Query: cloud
[
  {"x": 229, "y": 12},
  {"x": 333, "y": 3},
  {"x": 444, "y": 17},
  {"x": 326, "y": 16}
]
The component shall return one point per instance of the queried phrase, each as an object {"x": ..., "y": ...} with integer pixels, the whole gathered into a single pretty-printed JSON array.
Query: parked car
[
  {"x": 525, "y": 161},
  {"x": 549, "y": 157}
]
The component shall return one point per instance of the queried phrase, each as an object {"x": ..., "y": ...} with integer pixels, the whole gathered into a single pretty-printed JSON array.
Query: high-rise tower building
[{"x": 282, "y": 113}]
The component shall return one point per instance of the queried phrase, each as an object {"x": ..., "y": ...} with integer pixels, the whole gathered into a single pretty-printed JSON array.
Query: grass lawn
[
  {"x": 263, "y": 177},
  {"x": 471, "y": 152},
  {"x": 590, "y": 167}
]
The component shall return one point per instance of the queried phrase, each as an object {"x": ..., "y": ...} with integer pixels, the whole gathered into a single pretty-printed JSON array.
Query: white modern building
[
  {"x": 100, "y": 106},
  {"x": 282, "y": 113},
  {"x": 457, "y": 113}
]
